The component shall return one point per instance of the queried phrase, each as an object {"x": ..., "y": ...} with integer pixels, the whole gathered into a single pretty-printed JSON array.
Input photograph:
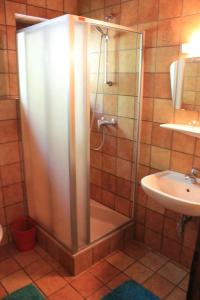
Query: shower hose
[{"x": 99, "y": 147}]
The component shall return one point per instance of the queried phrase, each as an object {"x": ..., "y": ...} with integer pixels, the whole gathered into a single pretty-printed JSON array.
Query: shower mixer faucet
[{"x": 103, "y": 122}]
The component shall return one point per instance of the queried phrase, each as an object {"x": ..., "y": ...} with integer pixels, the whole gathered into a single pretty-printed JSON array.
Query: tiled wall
[
  {"x": 12, "y": 201},
  {"x": 191, "y": 86},
  {"x": 113, "y": 166},
  {"x": 167, "y": 24}
]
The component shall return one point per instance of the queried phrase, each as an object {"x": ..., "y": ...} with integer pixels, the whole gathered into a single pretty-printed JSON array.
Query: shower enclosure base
[
  {"x": 76, "y": 263},
  {"x": 104, "y": 220}
]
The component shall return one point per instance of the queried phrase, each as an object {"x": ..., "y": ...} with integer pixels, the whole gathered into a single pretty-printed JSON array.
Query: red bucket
[{"x": 24, "y": 233}]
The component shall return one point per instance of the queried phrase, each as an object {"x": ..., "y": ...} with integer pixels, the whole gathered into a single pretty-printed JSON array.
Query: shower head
[{"x": 99, "y": 30}]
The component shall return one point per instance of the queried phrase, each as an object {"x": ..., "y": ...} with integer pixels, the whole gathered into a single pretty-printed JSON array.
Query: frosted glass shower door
[{"x": 51, "y": 140}]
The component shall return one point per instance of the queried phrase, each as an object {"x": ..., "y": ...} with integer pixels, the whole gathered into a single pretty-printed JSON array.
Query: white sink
[{"x": 171, "y": 190}]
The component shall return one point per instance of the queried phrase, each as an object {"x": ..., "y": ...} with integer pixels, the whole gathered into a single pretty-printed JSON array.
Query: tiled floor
[{"x": 163, "y": 277}]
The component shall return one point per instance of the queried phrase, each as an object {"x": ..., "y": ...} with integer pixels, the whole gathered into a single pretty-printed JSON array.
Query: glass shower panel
[
  {"x": 113, "y": 167},
  {"x": 44, "y": 66}
]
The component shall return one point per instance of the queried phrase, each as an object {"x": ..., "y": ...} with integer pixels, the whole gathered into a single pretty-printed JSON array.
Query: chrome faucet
[
  {"x": 193, "y": 175},
  {"x": 104, "y": 122}
]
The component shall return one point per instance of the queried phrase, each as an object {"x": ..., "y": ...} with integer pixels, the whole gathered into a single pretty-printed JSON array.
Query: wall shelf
[{"x": 183, "y": 128}]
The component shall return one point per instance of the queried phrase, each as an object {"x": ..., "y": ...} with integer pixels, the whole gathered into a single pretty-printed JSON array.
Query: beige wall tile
[
  {"x": 145, "y": 151},
  {"x": 181, "y": 162},
  {"x": 127, "y": 84},
  {"x": 160, "y": 158},
  {"x": 146, "y": 131},
  {"x": 9, "y": 153},
  {"x": 169, "y": 32},
  {"x": 128, "y": 19},
  {"x": 125, "y": 148},
  {"x": 97, "y": 4},
  {"x": 4, "y": 84},
  {"x": 183, "y": 143},
  {"x": 150, "y": 29},
  {"x": 11, "y": 9},
  {"x": 13, "y": 212},
  {"x": 126, "y": 106},
  {"x": 148, "y": 10},
  {"x": 165, "y": 56},
  {"x": 110, "y": 104},
  {"x": 163, "y": 111},
  {"x": 124, "y": 168},
  {"x": 125, "y": 128},
  {"x": 127, "y": 61},
  {"x": 127, "y": 40},
  {"x": 162, "y": 86},
  {"x": 147, "y": 109},
  {"x": 109, "y": 163},
  {"x": 161, "y": 137},
  {"x": 170, "y": 9},
  {"x": 150, "y": 59}
]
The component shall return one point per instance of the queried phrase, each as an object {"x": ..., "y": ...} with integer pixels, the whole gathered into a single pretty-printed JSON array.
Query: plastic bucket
[{"x": 24, "y": 233}]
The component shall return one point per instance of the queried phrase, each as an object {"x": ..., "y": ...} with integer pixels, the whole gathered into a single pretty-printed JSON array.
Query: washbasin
[{"x": 173, "y": 191}]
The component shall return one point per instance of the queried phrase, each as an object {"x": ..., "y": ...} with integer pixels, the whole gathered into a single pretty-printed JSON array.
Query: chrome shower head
[{"x": 99, "y": 30}]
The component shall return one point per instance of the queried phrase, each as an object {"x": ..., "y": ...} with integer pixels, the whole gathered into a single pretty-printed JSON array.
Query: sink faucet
[{"x": 193, "y": 175}]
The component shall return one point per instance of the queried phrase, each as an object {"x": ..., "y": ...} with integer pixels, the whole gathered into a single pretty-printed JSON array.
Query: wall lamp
[{"x": 192, "y": 48}]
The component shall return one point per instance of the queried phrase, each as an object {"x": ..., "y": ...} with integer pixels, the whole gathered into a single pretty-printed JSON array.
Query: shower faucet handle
[{"x": 102, "y": 122}]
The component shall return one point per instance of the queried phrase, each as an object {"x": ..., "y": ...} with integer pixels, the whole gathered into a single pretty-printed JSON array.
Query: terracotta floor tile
[
  {"x": 38, "y": 269},
  {"x": 172, "y": 272},
  {"x": 135, "y": 249},
  {"x": 26, "y": 258},
  {"x": 11, "y": 248},
  {"x": 16, "y": 281},
  {"x": 138, "y": 272},
  {"x": 184, "y": 283},
  {"x": 51, "y": 283},
  {"x": 99, "y": 294},
  {"x": 50, "y": 260},
  {"x": 177, "y": 294},
  {"x": 3, "y": 253},
  {"x": 120, "y": 260},
  {"x": 86, "y": 284},
  {"x": 104, "y": 271},
  {"x": 153, "y": 261},
  {"x": 2, "y": 292},
  {"x": 159, "y": 286},
  {"x": 40, "y": 251},
  {"x": 116, "y": 281},
  {"x": 65, "y": 274},
  {"x": 7, "y": 267},
  {"x": 66, "y": 293}
]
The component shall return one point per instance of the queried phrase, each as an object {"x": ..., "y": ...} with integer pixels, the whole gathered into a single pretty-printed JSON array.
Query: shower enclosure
[{"x": 80, "y": 94}]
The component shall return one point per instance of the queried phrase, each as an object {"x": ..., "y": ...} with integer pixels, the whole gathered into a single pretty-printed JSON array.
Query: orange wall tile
[{"x": 166, "y": 24}]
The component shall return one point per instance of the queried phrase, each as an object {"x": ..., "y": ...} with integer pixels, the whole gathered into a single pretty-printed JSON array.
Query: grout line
[{"x": 89, "y": 271}]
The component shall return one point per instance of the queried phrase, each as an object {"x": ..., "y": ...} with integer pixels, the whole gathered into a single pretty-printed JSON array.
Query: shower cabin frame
[{"x": 73, "y": 155}]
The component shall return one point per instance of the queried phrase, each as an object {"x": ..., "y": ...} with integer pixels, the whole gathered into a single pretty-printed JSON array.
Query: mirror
[{"x": 185, "y": 83}]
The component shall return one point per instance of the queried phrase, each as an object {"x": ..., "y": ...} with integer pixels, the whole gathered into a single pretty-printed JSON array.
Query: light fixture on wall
[{"x": 192, "y": 48}]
